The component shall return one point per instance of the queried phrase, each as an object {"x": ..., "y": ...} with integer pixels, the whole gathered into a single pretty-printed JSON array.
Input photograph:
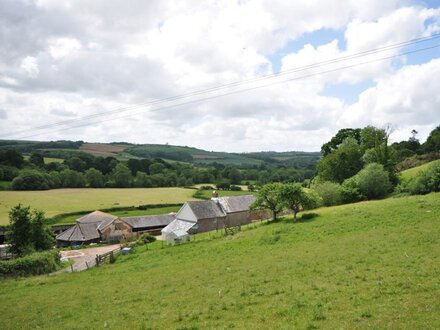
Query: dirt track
[{"x": 85, "y": 258}]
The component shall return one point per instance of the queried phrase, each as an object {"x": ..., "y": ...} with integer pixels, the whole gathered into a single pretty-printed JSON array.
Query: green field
[
  {"x": 68, "y": 219},
  {"x": 412, "y": 172},
  {"x": 366, "y": 265},
  {"x": 59, "y": 201}
]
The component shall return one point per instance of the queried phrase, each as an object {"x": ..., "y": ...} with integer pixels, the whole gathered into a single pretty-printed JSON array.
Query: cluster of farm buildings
[{"x": 193, "y": 217}]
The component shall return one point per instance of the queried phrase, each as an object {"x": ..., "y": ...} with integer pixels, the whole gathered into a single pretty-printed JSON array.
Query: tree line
[{"x": 80, "y": 170}]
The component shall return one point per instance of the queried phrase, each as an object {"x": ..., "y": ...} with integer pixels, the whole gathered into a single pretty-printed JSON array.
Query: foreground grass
[
  {"x": 412, "y": 172},
  {"x": 58, "y": 201},
  {"x": 366, "y": 265}
]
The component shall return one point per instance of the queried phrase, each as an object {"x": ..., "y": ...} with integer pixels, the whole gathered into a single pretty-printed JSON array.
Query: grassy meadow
[
  {"x": 366, "y": 265},
  {"x": 68, "y": 219},
  {"x": 59, "y": 201},
  {"x": 412, "y": 172}
]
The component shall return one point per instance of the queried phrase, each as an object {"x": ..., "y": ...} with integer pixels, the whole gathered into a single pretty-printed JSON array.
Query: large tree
[
  {"x": 19, "y": 235},
  {"x": 342, "y": 163},
  {"x": 337, "y": 140},
  {"x": 295, "y": 198},
  {"x": 269, "y": 198}
]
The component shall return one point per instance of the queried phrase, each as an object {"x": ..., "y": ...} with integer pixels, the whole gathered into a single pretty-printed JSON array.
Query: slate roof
[
  {"x": 149, "y": 221},
  {"x": 206, "y": 209},
  {"x": 81, "y": 232},
  {"x": 96, "y": 216},
  {"x": 236, "y": 203}
]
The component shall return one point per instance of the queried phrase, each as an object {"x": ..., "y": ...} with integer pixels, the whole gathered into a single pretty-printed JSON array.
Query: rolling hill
[
  {"x": 170, "y": 153},
  {"x": 365, "y": 265}
]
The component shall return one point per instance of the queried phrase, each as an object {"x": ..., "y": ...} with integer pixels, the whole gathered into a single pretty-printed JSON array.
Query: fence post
[
  {"x": 71, "y": 268},
  {"x": 97, "y": 260}
]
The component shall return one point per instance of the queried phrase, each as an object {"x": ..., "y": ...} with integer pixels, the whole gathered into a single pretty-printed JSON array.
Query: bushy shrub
[
  {"x": 329, "y": 192},
  {"x": 426, "y": 182},
  {"x": 33, "y": 264},
  {"x": 350, "y": 191},
  {"x": 235, "y": 188},
  {"x": 146, "y": 238},
  {"x": 374, "y": 181},
  {"x": 207, "y": 188}
]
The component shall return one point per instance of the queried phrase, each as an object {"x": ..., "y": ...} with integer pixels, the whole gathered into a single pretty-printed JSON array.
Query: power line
[
  {"x": 233, "y": 84},
  {"x": 239, "y": 91}
]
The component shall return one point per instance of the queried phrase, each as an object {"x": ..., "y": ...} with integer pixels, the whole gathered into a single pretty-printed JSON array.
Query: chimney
[{"x": 214, "y": 195}]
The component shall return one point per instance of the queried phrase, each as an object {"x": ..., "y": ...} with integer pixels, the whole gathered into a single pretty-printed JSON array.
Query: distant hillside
[{"x": 122, "y": 150}]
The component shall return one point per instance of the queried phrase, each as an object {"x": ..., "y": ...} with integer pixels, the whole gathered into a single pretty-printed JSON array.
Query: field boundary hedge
[{"x": 34, "y": 264}]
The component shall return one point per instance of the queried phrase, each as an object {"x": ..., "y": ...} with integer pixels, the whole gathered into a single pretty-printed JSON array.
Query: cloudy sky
[{"x": 205, "y": 73}]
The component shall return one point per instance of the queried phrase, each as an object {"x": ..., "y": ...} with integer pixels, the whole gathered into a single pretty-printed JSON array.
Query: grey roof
[
  {"x": 149, "y": 220},
  {"x": 206, "y": 209},
  {"x": 236, "y": 203},
  {"x": 96, "y": 216},
  {"x": 177, "y": 225},
  {"x": 81, "y": 232}
]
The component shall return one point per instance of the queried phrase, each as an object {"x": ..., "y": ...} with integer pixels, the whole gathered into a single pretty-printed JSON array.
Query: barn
[
  {"x": 150, "y": 223},
  {"x": 214, "y": 214},
  {"x": 103, "y": 227},
  {"x": 93, "y": 228}
]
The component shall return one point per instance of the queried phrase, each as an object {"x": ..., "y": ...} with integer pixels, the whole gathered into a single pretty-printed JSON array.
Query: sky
[{"x": 235, "y": 76}]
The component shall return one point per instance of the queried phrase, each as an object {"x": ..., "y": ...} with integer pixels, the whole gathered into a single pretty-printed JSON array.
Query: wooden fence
[{"x": 107, "y": 257}]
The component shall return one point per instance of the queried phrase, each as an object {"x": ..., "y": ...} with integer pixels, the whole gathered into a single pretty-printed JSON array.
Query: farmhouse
[
  {"x": 103, "y": 227},
  {"x": 214, "y": 214}
]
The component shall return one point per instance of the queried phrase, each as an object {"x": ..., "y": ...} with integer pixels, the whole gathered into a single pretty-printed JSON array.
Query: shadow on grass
[{"x": 288, "y": 219}]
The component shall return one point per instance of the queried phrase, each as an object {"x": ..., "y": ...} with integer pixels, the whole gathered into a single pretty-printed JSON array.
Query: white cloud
[
  {"x": 74, "y": 58},
  {"x": 30, "y": 66},
  {"x": 62, "y": 47}
]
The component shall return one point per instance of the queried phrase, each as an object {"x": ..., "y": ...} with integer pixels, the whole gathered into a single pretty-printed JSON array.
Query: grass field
[
  {"x": 130, "y": 213},
  {"x": 366, "y": 265},
  {"x": 412, "y": 172},
  {"x": 59, "y": 201}
]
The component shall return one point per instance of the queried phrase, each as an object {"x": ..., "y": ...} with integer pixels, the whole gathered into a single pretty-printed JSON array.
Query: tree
[
  {"x": 20, "y": 230},
  {"x": 31, "y": 180},
  {"x": 76, "y": 164},
  {"x": 373, "y": 181},
  {"x": 36, "y": 159},
  {"x": 372, "y": 137},
  {"x": 122, "y": 176},
  {"x": 296, "y": 199},
  {"x": 432, "y": 143},
  {"x": 27, "y": 231},
  {"x": 143, "y": 180},
  {"x": 11, "y": 157},
  {"x": 269, "y": 197},
  {"x": 157, "y": 168},
  {"x": 42, "y": 236},
  {"x": 94, "y": 178},
  {"x": 329, "y": 192},
  {"x": 72, "y": 179},
  {"x": 342, "y": 163},
  {"x": 337, "y": 140}
]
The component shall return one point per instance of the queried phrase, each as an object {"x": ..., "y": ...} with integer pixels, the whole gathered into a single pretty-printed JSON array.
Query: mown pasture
[
  {"x": 366, "y": 265},
  {"x": 58, "y": 201}
]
